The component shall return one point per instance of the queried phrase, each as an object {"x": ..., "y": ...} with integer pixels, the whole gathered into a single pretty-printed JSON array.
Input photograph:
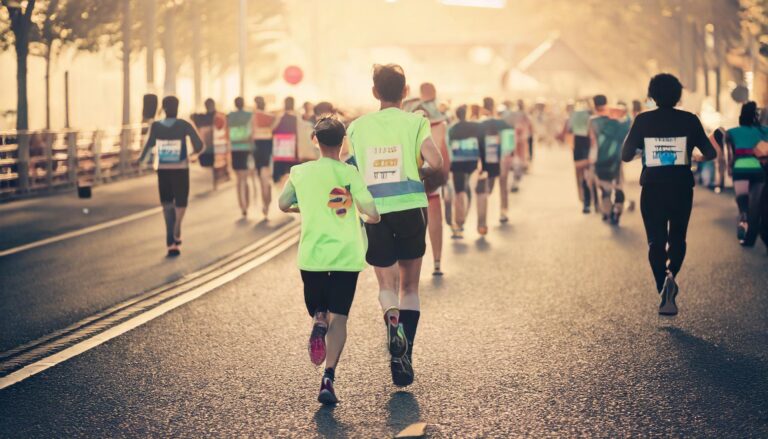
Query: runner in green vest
[
  {"x": 389, "y": 146},
  {"x": 241, "y": 141},
  {"x": 328, "y": 193}
]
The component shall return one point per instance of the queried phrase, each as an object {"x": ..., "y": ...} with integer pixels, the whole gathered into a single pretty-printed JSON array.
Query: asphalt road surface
[{"x": 546, "y": 328}]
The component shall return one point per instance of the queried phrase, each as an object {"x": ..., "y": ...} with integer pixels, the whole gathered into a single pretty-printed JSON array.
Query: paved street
[{"x": 546, "y": 328}]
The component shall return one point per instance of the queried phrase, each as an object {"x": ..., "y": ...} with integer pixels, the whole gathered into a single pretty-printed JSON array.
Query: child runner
[
  {"x": 172, "y": 164},
  {"x": 389, "y": 146},
  {"x": 666, "y": 137},
  {"x": 332, "y": 249}
]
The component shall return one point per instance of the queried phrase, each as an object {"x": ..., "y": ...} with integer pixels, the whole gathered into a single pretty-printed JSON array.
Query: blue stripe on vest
[{"x": 398, "y": 188}]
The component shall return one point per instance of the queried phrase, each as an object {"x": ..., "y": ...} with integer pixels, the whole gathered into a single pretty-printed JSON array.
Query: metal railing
[{"x": 41, "y": 161}]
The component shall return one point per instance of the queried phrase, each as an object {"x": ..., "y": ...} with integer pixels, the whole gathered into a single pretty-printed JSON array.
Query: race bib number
[
  {"x": 465, "y": 149},
  {"x": 169, "y": 151},
  {"x": 492, "y": 146},
  {"x": 284, "y": 147},
  {"x": 383, "y": 165},
  {"x": 666, "y": 151}
]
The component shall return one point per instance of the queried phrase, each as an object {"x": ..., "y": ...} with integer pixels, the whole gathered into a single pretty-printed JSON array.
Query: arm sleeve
[
  {"x": 197, "y": 143},
  {"x": 361, "y": 194},
  {"x": 150, "y": 143},
  {"x": 632, "y": 143},
  {"x": 701, "y": 140}
]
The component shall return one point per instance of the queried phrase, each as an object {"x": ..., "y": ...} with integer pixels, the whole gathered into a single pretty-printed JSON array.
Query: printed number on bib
[
  {"x": 465, "y": 149},
  {"x": 384, "y": 164},
  {"x": 666, "y": 151},
  {"x": 284, "y": 147},
  {"x": 169, "y": 151},
  {"x": 492, "y": 146}
]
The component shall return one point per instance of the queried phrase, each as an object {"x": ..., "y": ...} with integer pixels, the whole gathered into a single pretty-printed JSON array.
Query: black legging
[{"x": 666, "y": 211}]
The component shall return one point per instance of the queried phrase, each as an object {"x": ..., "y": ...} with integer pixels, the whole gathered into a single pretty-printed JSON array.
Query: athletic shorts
[
  {"x": 329, "y": 291},
  {"x": 262, "y": 153},
  {"x": 174, "y": 186},
  {"x": 281, "y": 168},
  {"x": 580, "y": 148},
  {"x": 399, "y": 236},
  {"x": 493, "y": 169},
  {"x": 240, "y": 160},
  {"x": 461, "y": 181}
]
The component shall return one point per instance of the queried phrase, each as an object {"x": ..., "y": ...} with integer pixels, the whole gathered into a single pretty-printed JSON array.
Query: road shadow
[
  {"x": 402, "y": 410},
  {"x": 731, "y": 373},
  {"x": 459, "y": 246},
  {"x": 327, "y": 425},
  {"x": 482, "y": 244}
]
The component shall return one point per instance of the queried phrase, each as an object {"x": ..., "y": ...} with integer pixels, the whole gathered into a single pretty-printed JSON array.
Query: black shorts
[
  {"x": 281, "y": 168},
  {"x": 461, "y": 181},
  {"x": 174, "y": 186},
  {"x": 331, "y": 291},
  {"x": 580, "y": 148},
  {"x": 262, "y": 153},
  {"x": 240, "y": 160},
  {"x": 399, "y": 236}
]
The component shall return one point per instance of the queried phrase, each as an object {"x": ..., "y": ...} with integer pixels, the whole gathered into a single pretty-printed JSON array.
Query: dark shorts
[
  {"x": 331, "y": 291},
  {"x": 399, "y": 236},
  {"x": 174, "y": 186},
  {"x": 240, "y": 160},
  {"x": 262, "y": 152},
  {"x": 493, "y": 169},
  {"x": 281, "y": 168},
  {"x": 580, "y": 148},
  {"x": 461, "y": 181}
]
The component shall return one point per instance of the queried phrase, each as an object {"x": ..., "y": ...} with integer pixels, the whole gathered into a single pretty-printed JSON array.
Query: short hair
[
  {"x": 489, "y": 104},
  {"x": 329, "y": 131},
  {"x": 665, "y": 89},
  {"x": 210, "y": 105},
  {"x": 239, "y": 103},
  {"x": 323, "y": 108},
  {"x": 260, "y": 104},
  {"x": 749, "y": 115},
  {"x": 461, "y": 112},
  {"x": 289, "y": 103},
  {"x": 428, "y": 91},
  {"x": 171, "y": 106},
  {"x": 600, "y": 100},
  {"x": 389, "y": 81}
]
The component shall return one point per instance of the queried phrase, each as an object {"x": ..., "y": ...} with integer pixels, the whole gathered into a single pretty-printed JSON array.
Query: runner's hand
[{"x": 193, "y": 158}]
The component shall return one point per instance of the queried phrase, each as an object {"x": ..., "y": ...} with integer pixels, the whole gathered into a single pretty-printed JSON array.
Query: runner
[
  {"x": 332, "y": 247},
  {"x": 666, "y": 137},
  {"x": 519, "y": 162},
  {"x": 438, "y": 127},
  {"x": 240, "y": 135},
  {"x": 211, "y": 126},
  {"x": 172, "y": 160},
  {"x": 607, "y": 130},
  {"x": 284, "y": 142},
  {"x": 514, "y": 147},
  {"x": 748, "y": 175},
  {"x": 388, "y": 146},
  {"x": 493, "y": 131},
  {"x": 577, "y": 125},
  {"x": 464, "y": 139},
  {"x": 262, "y": 134}
]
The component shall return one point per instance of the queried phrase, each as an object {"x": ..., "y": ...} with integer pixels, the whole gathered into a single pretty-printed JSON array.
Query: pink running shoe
[{"x": 317, "y": 344}]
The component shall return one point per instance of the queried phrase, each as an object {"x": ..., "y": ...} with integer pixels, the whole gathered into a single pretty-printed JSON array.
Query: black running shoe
[
  {"x": 668, "y": 307},
  {"x": 398, "y": 344},
  {"x": 402, "y": 371},
  {"x": 741, "y": 231},
  {"x": 327, "y": 395}
]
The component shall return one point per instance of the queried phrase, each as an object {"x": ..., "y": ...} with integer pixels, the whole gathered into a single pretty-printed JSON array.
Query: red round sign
[{"x": 293, "y": 75}]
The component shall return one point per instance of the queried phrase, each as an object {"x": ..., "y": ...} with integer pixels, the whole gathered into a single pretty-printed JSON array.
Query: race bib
[
  {"x": 492, "y": 146},
  {"x": 238, "y": 134},
  {"x": 465, "y": 150},
  {"x": 665, "y": 151},
  {"x": 507, "y": 141},
  {"x": 169, "y": 151},
  {"x": 383, "y": 165},
  {"x": 284, "y": 147}
]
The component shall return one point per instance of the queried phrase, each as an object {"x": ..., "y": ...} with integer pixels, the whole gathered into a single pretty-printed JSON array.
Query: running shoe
[
  {"x": 327, "y": 395},
  {"x": 504, "y": 218},
  {"x": 402, "y": 371},
  {"x": 586, "y": 209},
  {"x": 668, "y": 295},
  {"x": 457, "y": 232},
  {"x": 398, "y": 344},
  {"x": 482, "y": 230},
  {"x": 316, "y": 344},
  {"x": 437, "y": 271},
  {"x": 741, "y": 231},
  {"x": 173, "y": 250}
]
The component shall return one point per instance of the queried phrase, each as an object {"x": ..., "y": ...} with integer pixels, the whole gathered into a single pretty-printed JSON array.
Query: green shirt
[
  {"x": 386, "y": 146},
  {"x": 240, "y": 130},
  {"x": 331, "y": 233}
]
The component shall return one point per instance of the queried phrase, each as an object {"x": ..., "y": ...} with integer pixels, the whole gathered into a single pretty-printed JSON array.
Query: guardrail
[{"x": 41, "y": 161}]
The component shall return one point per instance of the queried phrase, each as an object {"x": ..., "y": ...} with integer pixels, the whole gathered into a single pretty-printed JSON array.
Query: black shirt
[
  {"x": 465, "y": 130},
  {"x": 491, "y": 158},
  {"x": 666, "y": 138}
]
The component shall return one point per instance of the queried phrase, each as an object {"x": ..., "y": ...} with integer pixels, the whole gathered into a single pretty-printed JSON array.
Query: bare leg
[
  {"x": 242, "y": 191},
  {"x": 506, "y": 165},
  {"x": 265, "y": 175},
  {"x": 389, "y": 284},
  {"x": 180, "y": 211},
  {"x": 435, "y": 227},
  {"x": 335, "y": 339},
  {"x": 482, "y": 204},
  {"x": 409, "y": 284},
  {"x": 461, "y": 208}
]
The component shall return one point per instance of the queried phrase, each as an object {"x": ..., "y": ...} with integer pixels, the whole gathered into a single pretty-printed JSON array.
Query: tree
[{"x": 21, "y": 26}]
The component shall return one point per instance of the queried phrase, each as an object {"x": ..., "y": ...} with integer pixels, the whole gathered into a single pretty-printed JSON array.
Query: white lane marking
[
  {"x": 141, "y": 319},
  {"x": 81, "y": 232}
]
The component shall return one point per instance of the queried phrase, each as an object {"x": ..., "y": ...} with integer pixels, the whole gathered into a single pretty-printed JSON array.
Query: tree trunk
[
  {"x": 149, "y": 34},
  {"x": 22, "y": 109},
  {"x": 48, "y": 88},
  {"x": 126, "y": 62},
  {"x": 196, "y": 58},
  {"x": 169, "y": 53}
]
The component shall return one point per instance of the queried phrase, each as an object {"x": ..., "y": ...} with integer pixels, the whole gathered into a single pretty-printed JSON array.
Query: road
[{"x": 546, "y": 328}]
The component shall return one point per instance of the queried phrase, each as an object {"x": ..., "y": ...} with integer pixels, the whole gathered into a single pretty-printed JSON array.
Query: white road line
[
  {"x": 81, "y": 232},
  {"x": 143, "y": 318}
]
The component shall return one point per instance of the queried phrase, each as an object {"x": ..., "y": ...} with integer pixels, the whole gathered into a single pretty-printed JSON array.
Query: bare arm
[
  {"x": 287, "y": 198},
  {"x": 431, "y": 154}
]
